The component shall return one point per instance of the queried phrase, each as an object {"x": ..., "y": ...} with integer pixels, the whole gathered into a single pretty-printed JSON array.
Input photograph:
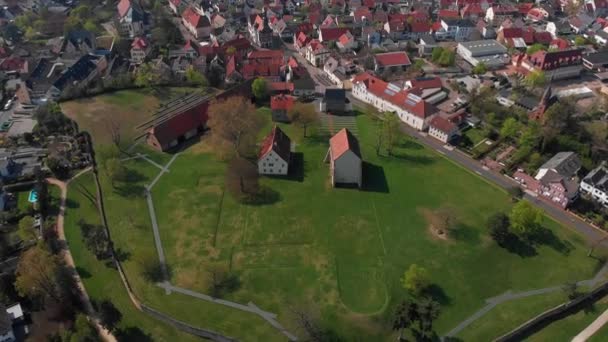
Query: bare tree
[
  {"x": 234, "y": 125},
  {"x": 303, "y": 115},
  {"x": 308, "y": 322}
]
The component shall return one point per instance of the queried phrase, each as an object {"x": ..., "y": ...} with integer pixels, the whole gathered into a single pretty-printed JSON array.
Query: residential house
[
  {"x": 140, "y": 48},
  {"x": 390, "y": 61},
  {"x": 178, "y": 6},
  {"x": 316, "y": 53},
  {"x": 396, "y": 30},
  {"x": 300, "y": 41},
  {"x": 14, "y": 65},
  {"x": 339, "y": 74},
  {"x": 595, "y": 184},
  {"x": 555, "y": 64},
  {"x": 488, "y": 52},
  {"x": 500, "y": 12},
  {"x": 79, "y": 75},
  {"x": 457, "y": 29},
  {"x": 260, "y": 31},
  {"x": 442, "y": 129},
  {"x": 555, "y": 180},
  {"x": 335, "y": 102},
  {"x": 275, "y": 153},
  {"x": 331, "y": 34},
  {"x": 580, "y": 22},
  {"x": 407, "y": 104},
  {"x": 344, "y": 156},
  {"x": 559, "y": 28},
  {"x": 77, "y": 43},
  {"x": 131, "y": 17},
  {"x": 597, "y": 62},
  {"x": 426, "y": 44},
  {"x": 346, "y": 42},
  {"x": 11, "y": 318},
  {"x": 280, "y": 105},
  {"x": 196, "y": 23}
]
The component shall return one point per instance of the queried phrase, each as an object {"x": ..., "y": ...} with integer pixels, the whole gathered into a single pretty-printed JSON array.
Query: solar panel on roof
[{"x": 393, "y": 87}]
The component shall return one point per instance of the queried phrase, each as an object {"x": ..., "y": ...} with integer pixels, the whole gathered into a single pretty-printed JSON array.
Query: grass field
[
  {"x": 124, "y": 110},
  {"x": 341, "y": 251},
  {"x": 570, "y": 326}
]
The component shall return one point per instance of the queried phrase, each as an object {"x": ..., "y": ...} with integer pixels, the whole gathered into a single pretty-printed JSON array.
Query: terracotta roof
[
  {"x": 278, "y": 142},
  {"x": 442, "y": 124},
  {"x": 315, "y": 45},
  {"x": 420, "y": 27},
  {"x": 524, "y": 8},
  {"x": 258, "y": 69},
  {"x": 555, "y": 59},
  {"x": 334, "y": 33},
  {"x": 344, "y": 39},
  {"x": 275, "y": 55},
  {"x": 281, "y": 102},
  {"x": 230, "y": 66},
  {"x": 543, "y": 37},
  {"x": 13, "y": 64},
  {"x": 139, "y": 43},
  {"x": 560, "y": 43},
  {"x": 392, "y": 59},
  {"x": 195, "y": 19},
  {"x": 280, "y": 86},
  {"x": 123, "y": 7},
  {"x": 446, "y": 13},
  {"x": 342, "y": 142}
]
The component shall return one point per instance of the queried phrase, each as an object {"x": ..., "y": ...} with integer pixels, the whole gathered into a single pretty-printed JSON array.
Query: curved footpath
[{"x": 67, "y": 257}]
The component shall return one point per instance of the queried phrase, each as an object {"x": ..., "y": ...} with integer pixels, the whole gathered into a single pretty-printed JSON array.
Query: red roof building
[
  {"x": 391, "y": 59},
  {"x": 545, "y": 60},
  {"x": 446, "y": 14},
  {"x": 442, "y": 129},
  {"x": 14, "y": 64},
  {"x": 275, "y": 153},
  {"x": 266, "y": 56},
  {"x": 344, "y": 156},
  {"x": 331, "y": 34},
  {"x": 280, "y": 87}
]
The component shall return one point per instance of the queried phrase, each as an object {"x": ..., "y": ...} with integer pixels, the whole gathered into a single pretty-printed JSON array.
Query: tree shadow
[
  {"x": 465, "y": 233},
  {"x": 515, "y": 245},
  {"x": 263, "y": 196},
  {"x": 374, "y": 179},
  {"x": 414, "y": 159},
  {"x": 71, "y": 204},
  {"x": 436, "y": 292},
  {"x": 83, "y": 272},
  {"x": 122, "y": 255},
  {"x": 410, "y": 144},
  {"x": 132, "y": 334},
  {"x": 130, "y": 190},
  {"x": 134, "y": 176},
  {"x": 547, "y": 237}
]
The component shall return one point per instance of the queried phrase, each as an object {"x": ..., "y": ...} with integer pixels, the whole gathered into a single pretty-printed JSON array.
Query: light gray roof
[
  {"x": 564, "y": 163},
  {"x": 484, "y": 47}
]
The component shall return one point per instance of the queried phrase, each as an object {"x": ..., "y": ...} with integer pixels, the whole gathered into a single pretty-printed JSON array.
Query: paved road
[
  {"x": 590, "y": 233},
  {"x": 592, "y": 328},
  {"x": 67, "y": 257}
]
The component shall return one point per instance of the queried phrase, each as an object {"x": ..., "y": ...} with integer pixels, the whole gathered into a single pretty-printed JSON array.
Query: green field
[{"x": 341, "y": 251}]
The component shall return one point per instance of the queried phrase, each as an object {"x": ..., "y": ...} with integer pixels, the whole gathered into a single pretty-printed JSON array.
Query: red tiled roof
[
  {"x": 13, "y": 64},
  {"x": 123, "y": 7},
  {"x": 524, "y": 8},
  {"x": 194, "y": 18},
  {"x": 281, "y": 87},
  {"x": 362, "y": 12},
  {"x": 334, "y": 33},
  {"x": 257, "y": 69},
  {"x": 261, "y": 55},
  {"x": 471, "y": 9},
  {"x": 555, "y": 59},
  {"x": 315, "y": 45},
  {"x": 344, "y": 39},
  {"x": 513, "y": 32},
  {"x": 560, "y": 43},
  {"x": 543, "y": 37},
  {"x": 420, "y": 27},
  {"x": 342, "y": 142},
  {"x": 445, "y": 13},
  {"x": 139, "y": 43},
  {"x": 278, "y": 142},
  {"x": 281, "y": 102},
  {"x": 442, "y": 124},
  {"x": 392, "y": 59},
  {"x": 368, "y": 3},
  {"x": 230, "y": 66}
]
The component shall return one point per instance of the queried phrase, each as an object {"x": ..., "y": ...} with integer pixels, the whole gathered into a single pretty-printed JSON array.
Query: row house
[
  {"x": 391, "y": 60},
  {"x": 331, "y": 34},
  {"x": 500, "y": 12},
  {"x": 595, "y": 184},
  {"x": 456, "y": 29},
  {"x": 386, "y": 97}
]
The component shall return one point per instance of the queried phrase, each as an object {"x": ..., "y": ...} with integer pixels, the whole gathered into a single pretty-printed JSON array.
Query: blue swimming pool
[{"x": 33, "y": 197}]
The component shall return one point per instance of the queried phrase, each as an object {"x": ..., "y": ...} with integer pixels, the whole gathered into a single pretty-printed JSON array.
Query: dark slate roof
[
  {"x": 79, "y": 37},
  {"x": 600, "y": 57},
  {"x": 5, "y": 321},
  {"x": 335, "y": 95},
  {"x": 77, "y": 72}
]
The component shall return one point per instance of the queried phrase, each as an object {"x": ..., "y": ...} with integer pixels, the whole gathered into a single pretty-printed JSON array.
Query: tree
[
  {"x": 510, "y": 128},
  {"x": 37, "y": 275},
  {"x": 109, "y": 315},
  {"x": 26, "y": 230},
  {"x": 535, "y": 48},
  {"x": 525, "y": 219},
  {"x": 571, "y": 290},
  {"x": 498, "y": 225},
  {"x": 242, "y": 179},
  {"x": 259, "y": 88},
  {"x": 580, "y": 40},
  {"x": 516, "y": 192},
  {"x": 146, "y": 76},
  {"x": 83, "y": 331},
  {"x": 115, "y": 170},
  {"x": 436, "y": 54},
  {"x": 234, "y": 125},
  {"x": 195, "y": 78},
  {"x": 405, "y": 316},
  {"x": 480, "y": 69},
  {"x": 428, "y": 312},
  {"x": 535, "y": 79},
  {"x": 390, "y": 130},
  {"x": 221, "y": 280},
  {"x": 416, "y": 279},
  {"x": 94, "y": 237},
  {"x": 303, "y": 115}
]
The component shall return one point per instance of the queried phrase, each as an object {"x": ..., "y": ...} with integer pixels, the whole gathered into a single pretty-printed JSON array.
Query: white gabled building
[
  {"x": 344, "y": 157},
  {"x": 408, "y": 105},
  {"x": 595, "y": 184},
  {"x": 275, "y": 153}
]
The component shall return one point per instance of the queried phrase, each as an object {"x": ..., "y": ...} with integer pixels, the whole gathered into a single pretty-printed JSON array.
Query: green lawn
[
  {"x": 22, "y": 201},
  {"x": 475, "y": 135},
  {"x": 339, "y": 251}
]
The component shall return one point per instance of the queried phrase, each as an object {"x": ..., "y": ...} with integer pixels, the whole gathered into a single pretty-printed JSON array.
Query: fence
[{"x": 559, "y": 312}]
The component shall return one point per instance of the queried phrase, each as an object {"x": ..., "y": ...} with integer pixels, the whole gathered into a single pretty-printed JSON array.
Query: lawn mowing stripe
[
  {"x": 378, "y": 226},
  {"x": 219, "y": 218}
]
